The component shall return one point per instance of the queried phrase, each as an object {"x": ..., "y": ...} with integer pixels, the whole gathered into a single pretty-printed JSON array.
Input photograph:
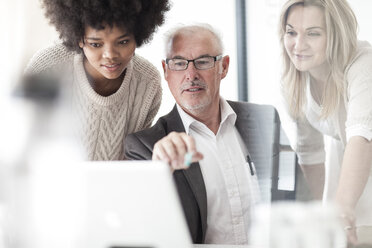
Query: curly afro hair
[{"x": 70, "y": 17}]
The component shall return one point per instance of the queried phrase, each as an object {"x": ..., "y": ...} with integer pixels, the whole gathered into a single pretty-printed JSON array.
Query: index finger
[{"x": 190, "y": 142}]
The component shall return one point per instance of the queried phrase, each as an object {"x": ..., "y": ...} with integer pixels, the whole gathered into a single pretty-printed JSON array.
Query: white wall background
[{"x": 24, "y": 30}]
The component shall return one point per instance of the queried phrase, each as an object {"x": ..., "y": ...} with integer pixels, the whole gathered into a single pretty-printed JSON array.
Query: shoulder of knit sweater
[
  {"x": 47, "y": 58},
  {"x": 146, "y": 69}
]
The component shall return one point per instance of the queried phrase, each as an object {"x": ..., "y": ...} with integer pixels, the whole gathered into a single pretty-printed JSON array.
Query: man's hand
[{"x": 176, "y": 149}]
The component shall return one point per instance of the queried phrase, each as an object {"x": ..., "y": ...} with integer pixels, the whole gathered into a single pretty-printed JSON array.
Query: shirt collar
[{"x": 227, "y": 116}]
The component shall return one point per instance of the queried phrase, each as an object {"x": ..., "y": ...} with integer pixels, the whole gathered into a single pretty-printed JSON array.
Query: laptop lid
[{"x": 131, "y": 204}]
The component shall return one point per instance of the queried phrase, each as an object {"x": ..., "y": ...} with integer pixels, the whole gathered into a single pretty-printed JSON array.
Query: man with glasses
[{"x": 201, "y": 139}]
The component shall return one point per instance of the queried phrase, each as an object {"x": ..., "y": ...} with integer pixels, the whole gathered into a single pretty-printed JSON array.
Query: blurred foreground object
[
  {"x": 36, "y": 148},
  {"x": 294, "y": 225},
  {"x": 50, "y": 198}
]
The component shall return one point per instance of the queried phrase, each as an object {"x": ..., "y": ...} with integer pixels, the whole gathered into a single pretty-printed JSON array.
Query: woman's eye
[
  {"x": 314, "y": 34},
  {"x": 123, "y": 42},
  {"x": 291, "y": 33},
  {"x": 95, "y": 45}
]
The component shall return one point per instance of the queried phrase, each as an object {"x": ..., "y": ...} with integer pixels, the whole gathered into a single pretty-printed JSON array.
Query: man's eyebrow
[
  {"x": 177, "y": 57},
  {"x": 181, "y": 57},
  {"x": 204, "y": 55}
]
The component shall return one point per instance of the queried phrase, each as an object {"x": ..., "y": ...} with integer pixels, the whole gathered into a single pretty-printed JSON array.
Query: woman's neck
[
  {"x": 321, "y": 73},
  {"x": 317, "y": 87},
  {"x": 318, "y": 80},
  {"x": 106, "y": 87}
]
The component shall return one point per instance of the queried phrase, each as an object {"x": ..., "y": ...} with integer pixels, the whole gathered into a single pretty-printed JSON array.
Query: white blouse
[{"x": 352, "y": 118}]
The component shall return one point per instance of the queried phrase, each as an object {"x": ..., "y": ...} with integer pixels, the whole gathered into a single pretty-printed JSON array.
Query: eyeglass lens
[{"x": 200, "y": 63}]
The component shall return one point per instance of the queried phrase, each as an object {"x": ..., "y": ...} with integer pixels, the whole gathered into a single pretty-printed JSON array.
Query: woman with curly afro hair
[{"x": 115, "y": 92}]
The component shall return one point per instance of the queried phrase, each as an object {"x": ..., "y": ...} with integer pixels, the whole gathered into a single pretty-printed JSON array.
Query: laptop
[
  {"x": 131, "y": 204},
  {"x": 106, "y": 204}
]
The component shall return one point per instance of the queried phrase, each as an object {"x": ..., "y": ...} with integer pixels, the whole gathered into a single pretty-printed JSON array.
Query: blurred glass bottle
[{"x": 297, "y": 224}]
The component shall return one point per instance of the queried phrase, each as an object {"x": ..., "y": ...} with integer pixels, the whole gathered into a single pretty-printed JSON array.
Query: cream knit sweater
[{"x": 103, "y": 122}]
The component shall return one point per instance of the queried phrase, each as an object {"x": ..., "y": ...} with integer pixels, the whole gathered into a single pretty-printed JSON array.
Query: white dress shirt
[{"x": 231, "y": 189}]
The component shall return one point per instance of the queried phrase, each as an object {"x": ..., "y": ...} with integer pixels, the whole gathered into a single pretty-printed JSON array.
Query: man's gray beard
[{"x": 196, "y": 109}]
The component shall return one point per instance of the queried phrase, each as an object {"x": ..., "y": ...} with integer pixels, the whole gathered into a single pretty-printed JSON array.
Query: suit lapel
[
  {"x": 242, "y": 121},
  {"x": 174, "y": 122},
  {"x": 193, "y": 175},
  {"x": 196, "y": 181}
]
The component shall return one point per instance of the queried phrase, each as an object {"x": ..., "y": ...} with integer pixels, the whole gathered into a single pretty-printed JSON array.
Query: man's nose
[{"x": 191, "y": 72}]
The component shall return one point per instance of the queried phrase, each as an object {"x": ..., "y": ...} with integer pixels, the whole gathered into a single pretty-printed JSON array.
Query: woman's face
[
  {"x": 305, "y": 39},
  {"x": 107, "y": 51}
]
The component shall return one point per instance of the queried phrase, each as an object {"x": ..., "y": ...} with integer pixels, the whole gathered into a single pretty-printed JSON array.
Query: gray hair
[{"x": 172, "y": 33}]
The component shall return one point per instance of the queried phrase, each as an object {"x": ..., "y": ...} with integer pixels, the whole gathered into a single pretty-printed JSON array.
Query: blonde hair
[{"x": 341, "y": 29}]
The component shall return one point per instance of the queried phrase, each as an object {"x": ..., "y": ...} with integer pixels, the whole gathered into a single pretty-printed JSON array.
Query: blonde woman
[{"x": 327, "y": 88}]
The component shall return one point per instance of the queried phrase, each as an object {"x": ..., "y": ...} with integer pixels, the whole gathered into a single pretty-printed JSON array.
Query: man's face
[{"x": 196, "y": 91}]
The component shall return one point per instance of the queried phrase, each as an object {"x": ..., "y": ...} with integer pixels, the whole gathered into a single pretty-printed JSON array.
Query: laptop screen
[
  {"x": 132, "y": 204},
  {"x": 102, "y": 204}
]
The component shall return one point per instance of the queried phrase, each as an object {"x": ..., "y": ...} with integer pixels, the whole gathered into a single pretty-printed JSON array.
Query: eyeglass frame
[{"x": 216, "y": 58}]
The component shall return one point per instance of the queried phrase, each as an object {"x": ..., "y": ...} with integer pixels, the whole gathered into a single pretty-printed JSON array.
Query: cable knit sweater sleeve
[
  {"x": 154, "y": 107},
  {"x": 48, "y": 58}
]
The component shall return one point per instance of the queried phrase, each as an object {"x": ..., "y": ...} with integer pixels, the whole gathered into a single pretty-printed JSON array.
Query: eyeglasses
[{"x": 202, "y": 63}]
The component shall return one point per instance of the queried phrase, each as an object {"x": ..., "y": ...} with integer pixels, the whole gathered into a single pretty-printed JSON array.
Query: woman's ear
[{"x": 81, "y": 43}]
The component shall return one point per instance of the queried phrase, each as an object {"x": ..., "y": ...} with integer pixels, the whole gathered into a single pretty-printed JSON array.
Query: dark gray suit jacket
[{"x": 190, "y": 184}]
